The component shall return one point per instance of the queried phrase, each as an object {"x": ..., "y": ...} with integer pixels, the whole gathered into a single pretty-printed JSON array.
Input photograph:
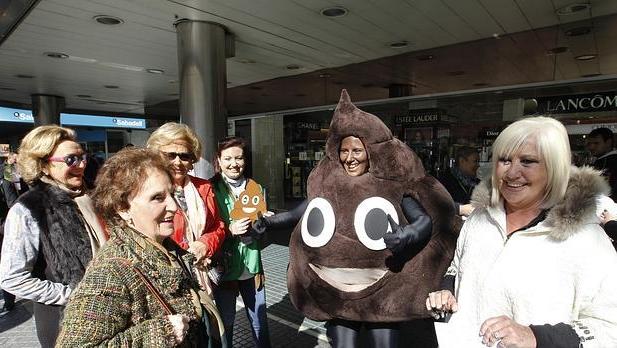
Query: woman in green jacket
[{"x": 241, "y": 255}]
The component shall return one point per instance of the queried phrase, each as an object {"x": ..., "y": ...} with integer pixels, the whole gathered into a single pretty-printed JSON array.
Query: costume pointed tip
[{"x": 344, "y": 96}]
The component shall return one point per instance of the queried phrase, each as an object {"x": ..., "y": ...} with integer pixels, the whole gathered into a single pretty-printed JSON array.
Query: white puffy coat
[{"x": 563, "y": 269}]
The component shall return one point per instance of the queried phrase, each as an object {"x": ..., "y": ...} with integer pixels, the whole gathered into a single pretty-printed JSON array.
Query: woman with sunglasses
[
  {"x": 198, "y": 227},
  {"x": 52, "y": 232}
]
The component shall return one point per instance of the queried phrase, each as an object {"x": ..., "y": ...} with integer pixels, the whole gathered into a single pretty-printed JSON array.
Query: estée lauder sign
[{"x": 605, "y": 101}]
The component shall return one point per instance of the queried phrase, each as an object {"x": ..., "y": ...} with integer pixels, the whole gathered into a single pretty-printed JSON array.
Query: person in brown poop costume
[{"x": 375, "y": 234}]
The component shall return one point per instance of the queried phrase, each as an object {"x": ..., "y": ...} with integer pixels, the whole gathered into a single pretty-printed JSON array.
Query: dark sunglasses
[
  {"x": 184, "y": 156},
  {"x": 70, "y": 160}
]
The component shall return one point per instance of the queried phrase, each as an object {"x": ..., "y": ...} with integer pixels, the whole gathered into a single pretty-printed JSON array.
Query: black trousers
[{"x": 344, "y": 333}]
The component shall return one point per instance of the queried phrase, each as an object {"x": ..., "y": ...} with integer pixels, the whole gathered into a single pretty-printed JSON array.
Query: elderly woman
[
  {"x": 532, "y": 267},
  {"x": 140, "y": 290},
  {"x": 197, "y": 224},
  {"x": 52, "y": 232},
  {"x": 241, "y": 255}
]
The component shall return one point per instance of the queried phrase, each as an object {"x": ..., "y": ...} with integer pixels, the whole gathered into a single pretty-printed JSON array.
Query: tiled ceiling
[{"x": 473, "y": 44}]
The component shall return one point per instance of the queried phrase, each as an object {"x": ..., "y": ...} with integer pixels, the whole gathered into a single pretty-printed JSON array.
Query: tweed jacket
[
  {"x": 560, "y": 271},
  {"x": 112, "y": 305}
]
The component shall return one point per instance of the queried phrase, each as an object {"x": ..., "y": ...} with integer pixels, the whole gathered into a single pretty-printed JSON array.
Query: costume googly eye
[
  {"x": 318, "y": 223},
  {"x": 245, "y": 200},
  {"x": 255, "y": 200},
  {"x": 371, "y": 221}
]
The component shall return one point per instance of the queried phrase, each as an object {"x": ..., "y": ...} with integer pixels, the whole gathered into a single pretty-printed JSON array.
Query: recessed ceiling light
[
  {"x": 425, "y": 57},
  {"x": 399, "y": 44},
  {"x": 325, "y": 75},
  {"x": 24, "y": 76},
  {"x": 557, "y": 50},
  {"x": 572, "y": 8},
  {"x": 578, "y": 31},
  {"x": 108, "y": 20},
  {"x": 156, "y": 71},
  {"x": 293, "y": 67},
  {"x": 591, "y": 75},
  {"x": 455, "y": 73},
  {"x": 173, "y": 81},
  {"x": 586, "y": 56},
  {"x": 111, "y": 86},
  {"x": 57, "y": 55},
  {"x": 83, "y": 96},
  {"x": 334, "y": 11}
]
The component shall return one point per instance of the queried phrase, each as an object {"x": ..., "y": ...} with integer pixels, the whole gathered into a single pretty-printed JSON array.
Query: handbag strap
[{"x": 148, "y": 285}]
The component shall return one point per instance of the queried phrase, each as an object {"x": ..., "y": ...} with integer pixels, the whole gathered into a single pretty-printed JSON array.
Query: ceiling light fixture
[
  {"x": 399, "y": 44},
  {"x": 572, "y": 8},
  {"x": 57, "y": 55},
  {"x": 24, "y": 76},
  {"x": 425, "y": 57},
  {"x": 334, "y": 11},
  {"x": 293, "y": 67},
  {"x": 156, "y": 71},
  {"x": 111, "y": 86},
  {"x": 584, "y": 57},
  {"x": 578, "y": 31},
  {"x": 108, "y": 20},
  {"x": 325, "y": 75},
  {"x": 557, "y": 50},
  {"x": 83, "y": 96}
]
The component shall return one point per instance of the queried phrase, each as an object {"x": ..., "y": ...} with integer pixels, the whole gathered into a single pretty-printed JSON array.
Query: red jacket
[{"x": 214, "y": 231}]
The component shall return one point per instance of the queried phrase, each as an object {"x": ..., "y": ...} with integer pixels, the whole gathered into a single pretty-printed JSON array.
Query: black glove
[
  {"x": 259, "y": 226},
  {"x": 414, "y": 235}
]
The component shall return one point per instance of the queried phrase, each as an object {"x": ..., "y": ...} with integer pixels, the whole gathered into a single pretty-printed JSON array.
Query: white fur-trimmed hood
[{"x": 576, "y": 209}]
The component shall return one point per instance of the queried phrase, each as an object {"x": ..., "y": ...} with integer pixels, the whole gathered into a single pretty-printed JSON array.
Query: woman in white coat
[{"x": 532, "y": 267}]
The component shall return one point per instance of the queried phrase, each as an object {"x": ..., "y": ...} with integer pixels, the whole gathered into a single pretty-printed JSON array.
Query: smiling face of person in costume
[{"x": 353, "y": 156}]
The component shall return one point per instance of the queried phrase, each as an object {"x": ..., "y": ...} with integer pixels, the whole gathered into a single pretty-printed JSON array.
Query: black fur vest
[{"x": 64, "y": 249}]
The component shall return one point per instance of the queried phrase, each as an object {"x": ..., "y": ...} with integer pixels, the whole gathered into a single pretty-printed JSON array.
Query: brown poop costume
[{"x": 364, "y": 284}]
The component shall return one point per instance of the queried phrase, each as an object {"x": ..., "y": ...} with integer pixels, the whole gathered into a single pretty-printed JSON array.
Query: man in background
[
  {"x": 461, "y": 179},
  {"x": 600, "y": 144}
]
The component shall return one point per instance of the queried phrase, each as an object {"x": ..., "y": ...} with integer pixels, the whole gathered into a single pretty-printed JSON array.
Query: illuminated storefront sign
[
  {"x": 578, "y": 103},
  {"x": 102, "y": 121},
  {"x": 16, "y": 115},
  {"x": 25, "y": 116}
]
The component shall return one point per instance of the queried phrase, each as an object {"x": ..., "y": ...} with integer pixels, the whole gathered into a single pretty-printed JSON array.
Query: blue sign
[
  {"x": 25, "y": 116},
  {"x": 16, "y": 115},
  {"x": 102, "y": 121}
]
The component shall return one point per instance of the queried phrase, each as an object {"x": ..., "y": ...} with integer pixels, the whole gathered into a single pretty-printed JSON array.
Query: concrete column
[
  {"x": 46, "y": 109},
  {"x": 203, "y": 83},
  {"x": 268, "y": 162}
]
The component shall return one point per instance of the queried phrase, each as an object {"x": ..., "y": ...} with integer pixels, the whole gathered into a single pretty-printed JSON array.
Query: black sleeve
[
  {"x": 611, "y": 229},
  {"x": 288, "y": 218},
  {"x": 10, "y": 192},
  {"x": 555, "y": 336},
  {"x": 447, "y": 283},
  {"x": 421, "y": 225}
]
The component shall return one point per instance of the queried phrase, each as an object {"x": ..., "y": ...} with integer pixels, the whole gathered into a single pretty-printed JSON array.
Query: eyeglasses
[
  {"x": 70, "y": 160},
  {"x": 184, "y": 156}
]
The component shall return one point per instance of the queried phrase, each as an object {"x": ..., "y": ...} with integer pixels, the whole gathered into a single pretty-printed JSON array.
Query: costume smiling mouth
[
  {"x": 349, "y": 279},
  {"x": 248, "y": 210}
]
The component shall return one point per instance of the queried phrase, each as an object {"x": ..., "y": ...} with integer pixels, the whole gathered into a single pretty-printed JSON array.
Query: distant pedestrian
[{"x": 600, "y": 143}]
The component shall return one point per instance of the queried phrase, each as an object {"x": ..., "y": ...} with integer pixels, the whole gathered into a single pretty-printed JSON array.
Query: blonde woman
[
  {"x": 51, "y": 233},
  {"x": 197, "y": 224}
]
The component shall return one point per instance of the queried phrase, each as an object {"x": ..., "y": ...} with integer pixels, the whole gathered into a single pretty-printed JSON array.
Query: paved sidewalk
[{"x": 288, "y": 327}]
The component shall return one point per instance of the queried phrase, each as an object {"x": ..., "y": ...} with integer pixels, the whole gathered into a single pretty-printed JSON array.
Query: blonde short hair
[
  {"x": 553, "y": 146},
  {"x": 37, "y": 146},
  {"x": 172, "y": 132}
]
